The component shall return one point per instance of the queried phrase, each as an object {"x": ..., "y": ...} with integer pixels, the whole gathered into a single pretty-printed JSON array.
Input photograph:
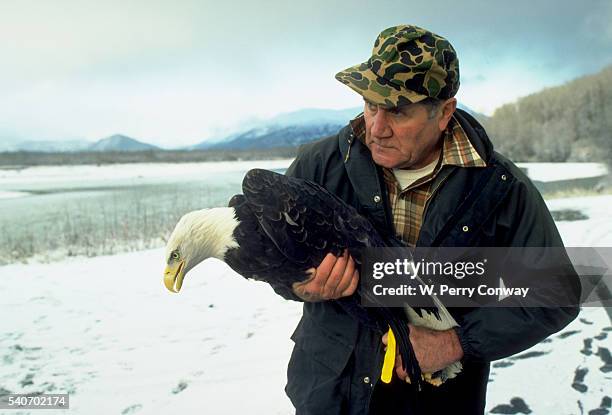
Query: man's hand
[
  {"x": 434, "y": 349},
  {"x": 335, "y": 277}
]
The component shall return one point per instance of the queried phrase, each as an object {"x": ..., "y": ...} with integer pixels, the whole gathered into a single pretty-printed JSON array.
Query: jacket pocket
[
  {"x": 322, "y": 346},
  {"x": 318, "y": 375}
]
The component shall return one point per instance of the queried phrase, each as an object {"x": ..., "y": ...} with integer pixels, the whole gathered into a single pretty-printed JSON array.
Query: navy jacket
[{"x": 336, "y": 363}]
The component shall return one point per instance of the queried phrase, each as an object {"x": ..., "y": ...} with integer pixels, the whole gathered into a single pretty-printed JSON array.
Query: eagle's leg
[
  {"x": 409, "y": 362},
  {"x": 389, "y": 362}
]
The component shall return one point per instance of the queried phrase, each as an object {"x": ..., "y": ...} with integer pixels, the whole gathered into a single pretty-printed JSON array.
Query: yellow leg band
[{"x": 389, "y": 362}]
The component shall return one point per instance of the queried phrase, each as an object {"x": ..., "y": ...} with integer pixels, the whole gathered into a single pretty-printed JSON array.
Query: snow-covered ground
[
  {"x": 12, "y": 195},
  {"x": 106, "y": 331},
  {"x": 14, "y": 181},
  {"x": 595, "y": 231},
  {"x": 547, "y": 377},
  {"x": 546, "y": 172},
  {"x": 126, "y": 174}
]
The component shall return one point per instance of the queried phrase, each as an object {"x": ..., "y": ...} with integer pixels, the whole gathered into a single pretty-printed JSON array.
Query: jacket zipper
[{"x": 350, "y": 140}]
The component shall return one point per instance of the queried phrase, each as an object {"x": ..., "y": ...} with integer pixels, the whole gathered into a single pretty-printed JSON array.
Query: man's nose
[{"x": 380, "y": 125}]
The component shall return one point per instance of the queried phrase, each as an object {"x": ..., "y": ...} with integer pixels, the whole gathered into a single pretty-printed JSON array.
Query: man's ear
[{"x": 448, "y": 109}]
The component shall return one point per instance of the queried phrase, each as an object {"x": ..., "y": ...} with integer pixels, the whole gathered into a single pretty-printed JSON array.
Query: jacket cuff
[{"x": 468, "y": 352}]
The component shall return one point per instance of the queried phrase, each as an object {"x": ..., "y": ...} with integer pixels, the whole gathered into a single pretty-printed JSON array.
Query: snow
[
  {"x": 593, "y": 232},
  {"x": 12, "y": 195},
  {"x": 545, "y": 380},
  {"x": 547, "y": 172},
  {"x": 130, "y": 172},
  {"x": 106, "y": 331},
  {"x": 83, "y": 176},
  {"x": 97, "y": 174}
]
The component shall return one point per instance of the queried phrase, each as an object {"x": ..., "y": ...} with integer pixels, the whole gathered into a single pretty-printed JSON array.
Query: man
[{"x": 425, "y": 173}]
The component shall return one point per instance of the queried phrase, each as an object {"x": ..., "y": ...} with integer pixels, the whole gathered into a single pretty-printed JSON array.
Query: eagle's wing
[
  {"x": 263, "y": 260},
  {"x": 305, "y": 222},
  {"x": 303, "y": 219}
]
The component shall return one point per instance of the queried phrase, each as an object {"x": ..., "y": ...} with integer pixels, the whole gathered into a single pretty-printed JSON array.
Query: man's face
[{"x": 405, "y": 137}]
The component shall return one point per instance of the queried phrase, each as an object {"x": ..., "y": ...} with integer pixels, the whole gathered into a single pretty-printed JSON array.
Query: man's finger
[
  {"x": 335, "y": 276},
  {"x": 322, "y": 273},
  {"x": 353, "y": 286},
  {"x": 312, "y": 272},
  {"x": 347, "y": 278},
  {"x": 307, "y": 290},
  {"x": 399, "y": 370}
]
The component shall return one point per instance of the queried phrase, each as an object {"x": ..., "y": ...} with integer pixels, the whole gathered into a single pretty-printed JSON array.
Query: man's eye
[
  {"x": 372, "y": 107},
  {"x": 401, "y": 112}
]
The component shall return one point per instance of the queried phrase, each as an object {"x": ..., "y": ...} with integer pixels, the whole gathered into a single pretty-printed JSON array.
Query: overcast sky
[{"x": 177, "y": 72}]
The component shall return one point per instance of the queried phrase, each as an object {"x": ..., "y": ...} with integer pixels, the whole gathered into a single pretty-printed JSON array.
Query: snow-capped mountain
[
  {"x": 115, "y": 142},
  {"x": 285, "y": 130},
  {"x": 290, "y": 129},
  {"x": 120, "y": 142},
  {"x": 274, "y": 136}
]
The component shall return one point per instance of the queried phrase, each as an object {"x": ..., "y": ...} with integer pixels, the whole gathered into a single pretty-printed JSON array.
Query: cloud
[{"x": 178, "y": 72}]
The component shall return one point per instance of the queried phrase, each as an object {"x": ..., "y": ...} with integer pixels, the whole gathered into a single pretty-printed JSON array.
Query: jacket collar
[
  {"x": 367, "y": 178},
  {"x": 476, "y": 134}
]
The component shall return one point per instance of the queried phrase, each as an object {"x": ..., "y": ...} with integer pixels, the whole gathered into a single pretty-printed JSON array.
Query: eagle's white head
[{"x": 201, "y": 234}]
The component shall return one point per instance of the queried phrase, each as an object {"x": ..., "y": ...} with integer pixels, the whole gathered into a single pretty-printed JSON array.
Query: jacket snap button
[
  {"x": 377, "y": 199},
  {"x": 503, "y": 177},
  {"x": 366, "y": 380},
  {"x": 465, "y": 228}
]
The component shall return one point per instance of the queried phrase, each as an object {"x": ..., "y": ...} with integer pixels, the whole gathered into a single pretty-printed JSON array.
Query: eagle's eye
[{"x": 175, "y": 256}]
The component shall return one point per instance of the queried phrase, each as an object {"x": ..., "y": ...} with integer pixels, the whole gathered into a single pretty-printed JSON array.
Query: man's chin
[{"x": 385, "y": 161}]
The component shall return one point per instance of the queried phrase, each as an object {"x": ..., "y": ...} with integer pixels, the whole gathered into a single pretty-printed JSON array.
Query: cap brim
[{"x": 361, "y": 79}]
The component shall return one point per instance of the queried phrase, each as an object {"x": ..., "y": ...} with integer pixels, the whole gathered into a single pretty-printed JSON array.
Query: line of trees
[
  {"x": 572, "y": 122},
  {"x": 26, "y": 158}
]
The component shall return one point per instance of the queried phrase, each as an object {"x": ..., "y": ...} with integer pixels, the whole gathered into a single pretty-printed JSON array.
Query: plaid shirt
[{"x": 408, "y": 205}]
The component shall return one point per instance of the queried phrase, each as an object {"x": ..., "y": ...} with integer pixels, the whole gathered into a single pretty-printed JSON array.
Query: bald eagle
[{"x": 280, "y": 228}]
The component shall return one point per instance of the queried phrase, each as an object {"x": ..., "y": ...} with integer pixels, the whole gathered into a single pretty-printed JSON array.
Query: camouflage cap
[{"x": 408, "y": 64}]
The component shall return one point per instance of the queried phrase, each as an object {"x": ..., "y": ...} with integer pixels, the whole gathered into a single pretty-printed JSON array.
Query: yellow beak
[{"x": 173, "y": 276}]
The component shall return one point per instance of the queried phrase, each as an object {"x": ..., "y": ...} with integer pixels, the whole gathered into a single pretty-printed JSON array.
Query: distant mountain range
[
  {"x": 292, "y": 129},
  {"x": 285, "y": 130},
  {"x": 273, "y": 136},
  {"x": 115, "y": 142},
  {"x": 45, "y": 146}
]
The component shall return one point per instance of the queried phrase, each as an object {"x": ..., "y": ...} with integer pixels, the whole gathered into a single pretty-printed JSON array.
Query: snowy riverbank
[{"x": 105, "y": 330}]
